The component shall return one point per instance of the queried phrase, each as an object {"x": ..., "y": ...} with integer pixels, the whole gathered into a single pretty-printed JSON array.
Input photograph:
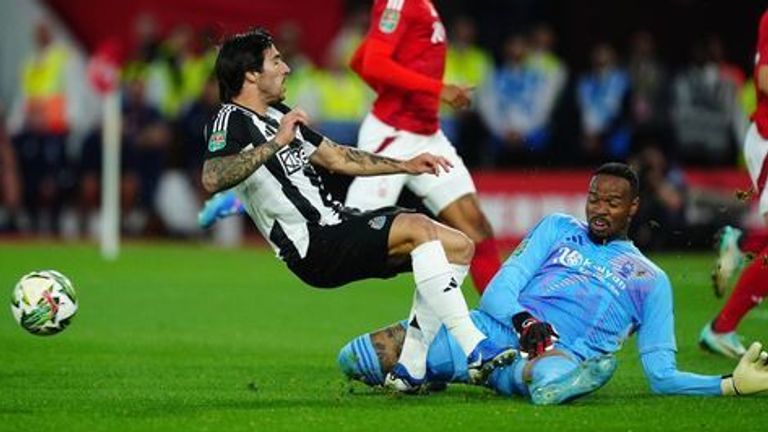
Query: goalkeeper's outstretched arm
[
  {"x": 660, "y": 369},
  {"x": 749, "y": 377}
]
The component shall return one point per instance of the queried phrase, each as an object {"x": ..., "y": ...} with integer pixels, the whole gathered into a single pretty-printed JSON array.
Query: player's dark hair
[
  {"x": 240, "y": 53},
  {"x": 618, "y": 169}
]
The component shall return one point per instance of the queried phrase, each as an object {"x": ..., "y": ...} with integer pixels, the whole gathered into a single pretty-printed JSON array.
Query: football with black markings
[{"x": 44, "y": 302}]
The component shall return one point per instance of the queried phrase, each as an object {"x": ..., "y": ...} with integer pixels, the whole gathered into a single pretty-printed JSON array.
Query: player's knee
[
  {"x": 421, "y": 228},
  {"x": 468, "y": 246},
  {"x": 358, "y": 361},
  {"x": 549, "y": 369}
]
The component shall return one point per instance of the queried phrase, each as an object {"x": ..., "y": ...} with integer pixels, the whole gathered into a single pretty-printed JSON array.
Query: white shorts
[
  {"x": 368, "y": 193},
  {"x": 755, "y": 153}
]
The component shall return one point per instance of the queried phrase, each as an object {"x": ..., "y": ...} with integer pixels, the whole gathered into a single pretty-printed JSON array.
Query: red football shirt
[
  {"x": 414, "y": 29},
  {"x": 760, "y": 116}
]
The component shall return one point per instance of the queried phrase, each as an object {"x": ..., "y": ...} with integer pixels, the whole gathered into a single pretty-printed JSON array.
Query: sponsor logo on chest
[
  {"x": 613, "y": 279},
  {"x": 292, "y": 158}
]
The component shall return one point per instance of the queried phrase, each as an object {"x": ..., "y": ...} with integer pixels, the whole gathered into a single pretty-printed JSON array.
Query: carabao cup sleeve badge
[
  {"x": 389, "y": 20},
  {"x": 217, "y": 141}
]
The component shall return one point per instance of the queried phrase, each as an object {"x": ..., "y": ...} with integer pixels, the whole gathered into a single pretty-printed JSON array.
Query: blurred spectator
[
  {"x": 660, "y": 219},
  {"x": 731, "y": 72},
  {"x": 341, "y": 97},
  {"x": 180, "y": 191},
  {"x": 46, "y": 76},
  {"x": 543, "y": 59},
  {"x": 649, "y": 84},
  {"x": 560, "y": 110},
  {"x": 748, "y": 97},
  {"x": 515, "y": 104},
  {"x": 190, "y": 148},
  {"x": 728, "y": 70},
  {"x": 351, "y": 33},
  {"x": 41, "y": 123},
  {"x": 706, "y": 112},
  {"x": 146, "y": 46},
  {"x": 10, "y": 185},
  {"x": 602, "y": 97},
  {"x": 144, "y": 147},
  {"x": 175, "y": 69},
  {"x": 144, "y": 64},
  {"x": 466, "y": 63},
  {"x": 182, "y": 71},
  {"x": 299, "y": 85}
]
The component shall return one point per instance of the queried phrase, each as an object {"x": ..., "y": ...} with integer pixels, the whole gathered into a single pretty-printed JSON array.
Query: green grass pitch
[{"x": 183, "y": 337}]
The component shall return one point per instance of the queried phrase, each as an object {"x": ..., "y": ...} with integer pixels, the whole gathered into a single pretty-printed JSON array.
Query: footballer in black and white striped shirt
[{"x": 265, "y": 152}]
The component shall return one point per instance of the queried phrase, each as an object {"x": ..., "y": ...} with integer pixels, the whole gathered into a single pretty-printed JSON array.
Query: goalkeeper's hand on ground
[
  {"x": 750, "y": 375},
  {"x": 535, "y": 336}
]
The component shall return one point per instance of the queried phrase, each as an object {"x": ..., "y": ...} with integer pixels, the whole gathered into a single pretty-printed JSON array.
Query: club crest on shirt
[
  {"x": 217, "y": 141},
  {"x": 377, "y": 223},
  {"x": 389, "y": 20},
  {"x": 626, "y": 269}
]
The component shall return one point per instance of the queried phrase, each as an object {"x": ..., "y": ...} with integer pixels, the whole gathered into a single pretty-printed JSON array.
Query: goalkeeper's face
[{"x": 610, "y": 207}]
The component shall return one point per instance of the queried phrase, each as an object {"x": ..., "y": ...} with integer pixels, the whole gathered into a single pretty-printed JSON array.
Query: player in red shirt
[
  {"x": 403, "y": 58},
  {"x": 720, "y": 335}
]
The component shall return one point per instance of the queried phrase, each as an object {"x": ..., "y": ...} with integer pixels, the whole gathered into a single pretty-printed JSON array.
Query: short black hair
[
  {"x": 618, "y": 169},
  {"x": 240, "y": 53}
]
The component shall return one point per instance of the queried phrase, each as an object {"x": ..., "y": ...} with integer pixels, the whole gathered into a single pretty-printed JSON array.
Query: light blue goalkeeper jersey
[{"x": 595, "y": 295}]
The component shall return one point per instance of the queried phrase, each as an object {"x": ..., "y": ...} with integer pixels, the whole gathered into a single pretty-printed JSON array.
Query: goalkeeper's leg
[{"x": 554, "y": 378}]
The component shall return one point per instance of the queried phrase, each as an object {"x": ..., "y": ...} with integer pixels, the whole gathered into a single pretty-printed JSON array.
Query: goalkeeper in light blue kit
[{"x": 567, "y": 298}]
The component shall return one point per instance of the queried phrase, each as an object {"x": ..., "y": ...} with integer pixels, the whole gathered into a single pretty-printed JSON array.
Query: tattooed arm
[
  {"x": 388, "y": 343},
  {"x": 350, "y": 161},
  {"x": 226, "y": 171}
]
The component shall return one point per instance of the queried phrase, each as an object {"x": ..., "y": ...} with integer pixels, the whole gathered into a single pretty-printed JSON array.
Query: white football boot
[
  {"x": 730, "y": 259},
  {"x": 727, "y": 344}
]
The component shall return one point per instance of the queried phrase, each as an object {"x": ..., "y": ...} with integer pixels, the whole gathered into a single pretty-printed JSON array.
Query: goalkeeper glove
[
  {"x": 750, "y": 375},
  {"x": 535, "y": 336}
]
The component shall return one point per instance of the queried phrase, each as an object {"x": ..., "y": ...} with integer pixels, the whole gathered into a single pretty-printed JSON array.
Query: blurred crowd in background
[{"x": 531, "y": 108}]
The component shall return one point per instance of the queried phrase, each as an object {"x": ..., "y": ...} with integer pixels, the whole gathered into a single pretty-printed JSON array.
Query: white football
[{"x": 44, "y": 302}]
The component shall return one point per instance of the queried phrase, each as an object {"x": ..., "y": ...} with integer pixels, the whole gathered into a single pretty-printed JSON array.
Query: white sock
[
  {"x": 439, "y": 287},
  {"x": 421, "y": 332},
  {"x": 460, "y": 272},
  {"x": 422, "y": 326}
]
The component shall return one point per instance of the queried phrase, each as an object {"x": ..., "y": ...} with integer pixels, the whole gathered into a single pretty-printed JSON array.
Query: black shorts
[{"x": 355, "y": 249}]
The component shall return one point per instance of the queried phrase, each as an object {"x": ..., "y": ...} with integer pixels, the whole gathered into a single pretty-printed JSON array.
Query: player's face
[
  {"x": 272, "y": 77},
  {"x": 610, "y": 206}
]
